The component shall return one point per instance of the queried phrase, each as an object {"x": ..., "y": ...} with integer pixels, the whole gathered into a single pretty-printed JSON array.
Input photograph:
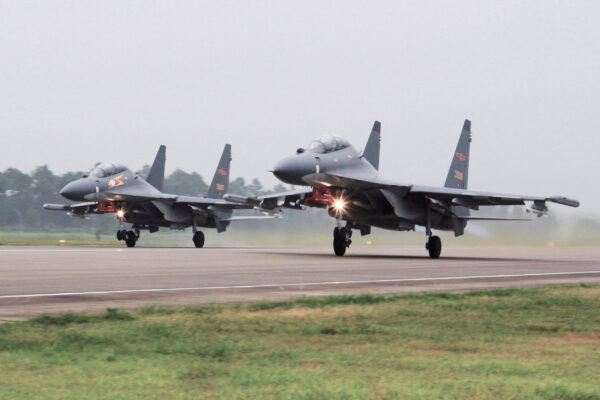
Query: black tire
[
  {"x": 339, "y": 241},
  {"x": 336, "y": 232},
  {"x": 130, "y": 238},
  {"x": 339, "y": 246},
  {"x": 198, "y": 239},
  {"x": 435, "y": 247},
  {"x": 119, "y": 235}
]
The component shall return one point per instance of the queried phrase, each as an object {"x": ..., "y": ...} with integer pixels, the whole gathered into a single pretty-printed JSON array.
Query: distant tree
[
  {"x": 144, "y": 171},
  {"x": 278, "y": 188},
  {"x": 238, "y": 186},
  {"x": 255, "y": 188},
  {"x": 22, "y": 196},
  {"x": 17, "y": 196},
  {"x": 181, "y": 182}
]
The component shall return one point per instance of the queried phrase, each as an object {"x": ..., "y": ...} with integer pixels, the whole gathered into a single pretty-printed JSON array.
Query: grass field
[{"x": 524, "y": 343}]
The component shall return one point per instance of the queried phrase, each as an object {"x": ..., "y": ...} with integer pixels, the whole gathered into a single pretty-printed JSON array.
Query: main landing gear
[
  {"x": 198, "y": 239},
  {"x": 434, "y": 243},
  {"x": 434, "y": 246},
  {"x": 341, "y": 240},
  {"x": 130, "y": 237}
]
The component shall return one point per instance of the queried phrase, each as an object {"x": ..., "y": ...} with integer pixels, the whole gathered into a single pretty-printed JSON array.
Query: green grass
[{"x": 539, "y": 343}]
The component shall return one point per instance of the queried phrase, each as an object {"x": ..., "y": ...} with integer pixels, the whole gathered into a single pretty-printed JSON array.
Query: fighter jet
[
  {"x": 113, "y": 188},
  {"x": 349, "y": 185}
]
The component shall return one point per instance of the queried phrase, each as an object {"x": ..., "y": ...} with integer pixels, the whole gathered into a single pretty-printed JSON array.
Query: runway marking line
[{"x": 283, "y": 285}]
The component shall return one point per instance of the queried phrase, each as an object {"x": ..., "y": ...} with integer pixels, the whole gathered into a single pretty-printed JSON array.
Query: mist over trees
[{"x": 22, "y": 196}]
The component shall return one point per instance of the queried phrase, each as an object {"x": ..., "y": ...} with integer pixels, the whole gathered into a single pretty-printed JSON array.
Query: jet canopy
[
  {"x": 327, "y": 144},
  {"x": 105, "y": 169}
]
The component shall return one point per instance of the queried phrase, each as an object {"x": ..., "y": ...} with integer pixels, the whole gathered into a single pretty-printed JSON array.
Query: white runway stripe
[{"x": 284, "y": 285}]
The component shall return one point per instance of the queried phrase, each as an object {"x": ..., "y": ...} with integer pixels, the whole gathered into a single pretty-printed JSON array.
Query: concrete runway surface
[{"x": 37, "y": 280}]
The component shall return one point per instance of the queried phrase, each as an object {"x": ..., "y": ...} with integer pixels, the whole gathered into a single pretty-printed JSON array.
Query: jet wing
[
  {"x": 477, "y": 218},
  {"x": 459, "y": 197},
  {"x": 205, "y": 202},
  {"x": 287, "y": 199},
  {"x": 248, "y": 218},
  {"x": 473, "y": 199}
]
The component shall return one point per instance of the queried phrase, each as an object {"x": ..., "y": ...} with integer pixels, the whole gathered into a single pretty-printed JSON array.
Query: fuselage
[
  {"x": 363, "y": 206},
  {"x": 119, "y": 190}
]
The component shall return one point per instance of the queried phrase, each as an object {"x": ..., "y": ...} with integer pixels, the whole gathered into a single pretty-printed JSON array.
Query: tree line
[{"x": 22, "y": 196}]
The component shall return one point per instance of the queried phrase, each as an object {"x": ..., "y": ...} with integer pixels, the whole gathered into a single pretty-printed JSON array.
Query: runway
[{"x": 37, "y": 280}]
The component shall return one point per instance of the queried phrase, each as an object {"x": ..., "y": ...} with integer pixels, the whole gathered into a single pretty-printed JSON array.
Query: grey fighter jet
[
  {"x": 349, "y": 185},
  {"x": 113, "y": 188}
]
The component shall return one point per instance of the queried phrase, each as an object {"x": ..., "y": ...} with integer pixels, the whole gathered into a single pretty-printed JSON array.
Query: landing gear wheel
[
  {"x": 341, "y": 240},
  {"x": 121, "y": 234},
  {"x": 198, "y": 239},
  {"x": 434, "y": 247},
  {"x": 130, "y": 238}
]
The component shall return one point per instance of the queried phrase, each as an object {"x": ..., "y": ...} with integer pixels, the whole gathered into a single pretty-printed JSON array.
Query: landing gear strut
[
  {"x": 341, "y": 240},
  {"x": 434, "y": 243}
]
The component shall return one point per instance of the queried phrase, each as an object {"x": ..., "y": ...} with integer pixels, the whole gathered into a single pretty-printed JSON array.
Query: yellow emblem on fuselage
[
  {"x": 117, "y": 181},
  {"x": 458, "y": 175},
  {"x": 220, "y": 187}
]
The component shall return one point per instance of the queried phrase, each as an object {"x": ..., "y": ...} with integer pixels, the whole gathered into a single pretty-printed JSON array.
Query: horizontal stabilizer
[
  {"x": 248, "y": 218},
  {"x": 472, "y": 218}
]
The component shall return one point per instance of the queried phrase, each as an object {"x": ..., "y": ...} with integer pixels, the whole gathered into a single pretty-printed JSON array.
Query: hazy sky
[{"x": 83, "y": 81}]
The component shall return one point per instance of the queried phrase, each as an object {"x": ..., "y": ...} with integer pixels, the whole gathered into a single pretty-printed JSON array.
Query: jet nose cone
[
  {"x": 75, "y": 190},
  {"x": 289, "y": 171},
  {"x": 283, "y": 170}
]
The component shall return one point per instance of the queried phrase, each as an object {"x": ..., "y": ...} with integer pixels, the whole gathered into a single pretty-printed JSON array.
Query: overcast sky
[{"x": 83, "y": 81}]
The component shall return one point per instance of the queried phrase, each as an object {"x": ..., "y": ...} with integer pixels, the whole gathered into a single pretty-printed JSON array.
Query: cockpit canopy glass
[
  {"x": 105, "y": 169},
  {"x": 327, "y": 144}
]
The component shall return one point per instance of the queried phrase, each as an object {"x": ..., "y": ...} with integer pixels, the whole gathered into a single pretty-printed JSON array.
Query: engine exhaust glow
[{"x": 339, "y": 204}]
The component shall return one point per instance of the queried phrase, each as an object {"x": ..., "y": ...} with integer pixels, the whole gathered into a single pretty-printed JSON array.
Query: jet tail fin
[
  {"x": 220, "y": 183},
  {"x": 156, "y": 176},
  {"x": 371, "y": 152},
  {"x": 458, "y": 175}
]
